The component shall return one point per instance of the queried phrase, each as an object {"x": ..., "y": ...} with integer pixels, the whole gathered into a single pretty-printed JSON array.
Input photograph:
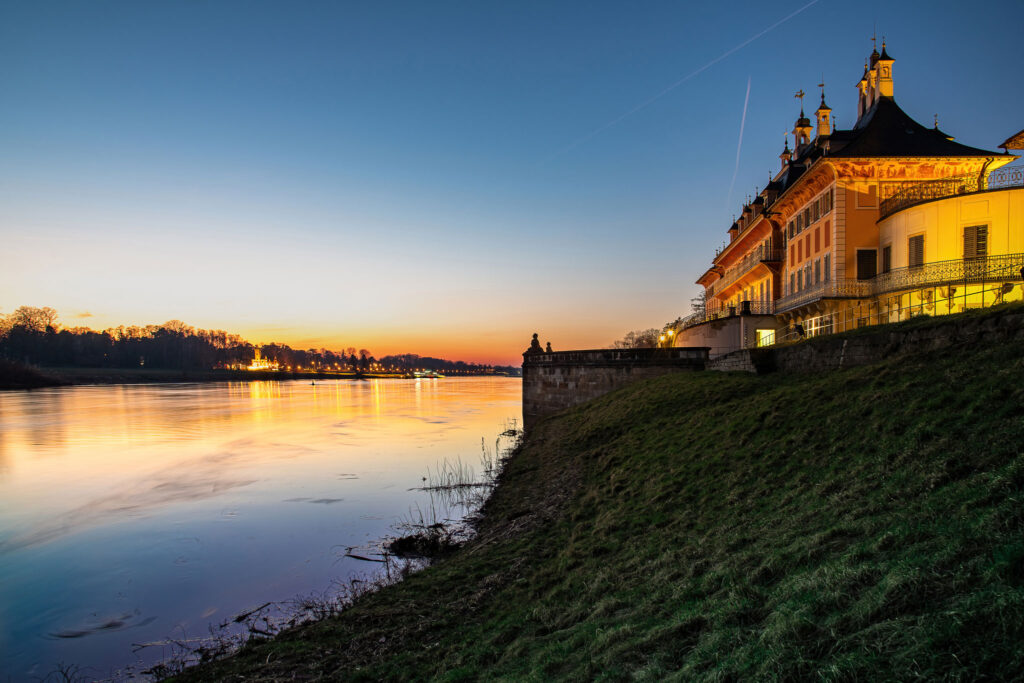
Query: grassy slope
[{"x": 864, "y": 524}]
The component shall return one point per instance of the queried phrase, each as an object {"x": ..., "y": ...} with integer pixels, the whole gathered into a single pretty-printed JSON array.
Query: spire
[
  {"x": 884, "y": 55},
  {"x": 787, "y": 154}
]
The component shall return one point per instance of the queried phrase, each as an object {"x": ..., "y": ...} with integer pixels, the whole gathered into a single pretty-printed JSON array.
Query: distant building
[
  {"x": 878, "y": 223},
  {"x": 261, "y": 363}
]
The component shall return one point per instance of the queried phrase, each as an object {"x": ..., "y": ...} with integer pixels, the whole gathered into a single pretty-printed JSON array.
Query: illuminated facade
[
  {"x": 873, "y": 224},
  {"x": 261, "y": 363}
]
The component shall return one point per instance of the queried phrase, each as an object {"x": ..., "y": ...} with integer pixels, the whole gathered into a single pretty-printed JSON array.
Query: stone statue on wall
[
  {"x": 548, "y": 349},
  {"x": 535, "y": 345}
]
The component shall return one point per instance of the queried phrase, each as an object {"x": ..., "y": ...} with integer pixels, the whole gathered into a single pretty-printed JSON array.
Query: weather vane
[{"x": 800, "y": 94}]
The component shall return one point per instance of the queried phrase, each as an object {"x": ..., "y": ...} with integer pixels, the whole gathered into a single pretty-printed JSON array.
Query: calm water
[{"x": 132, "y": 513}]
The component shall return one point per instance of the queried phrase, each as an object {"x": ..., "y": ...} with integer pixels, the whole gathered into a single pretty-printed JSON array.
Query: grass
[{"x": 866, "y": 524}]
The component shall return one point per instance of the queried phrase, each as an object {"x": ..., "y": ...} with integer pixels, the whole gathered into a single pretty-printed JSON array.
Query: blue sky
[{"x": 426, "y": 177}]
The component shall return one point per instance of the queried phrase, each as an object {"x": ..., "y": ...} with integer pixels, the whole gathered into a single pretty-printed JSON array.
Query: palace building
[{"x": 884, "y": 221}]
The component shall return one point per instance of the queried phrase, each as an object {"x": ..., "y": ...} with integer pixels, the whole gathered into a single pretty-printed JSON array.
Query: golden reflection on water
[
  {"x": 171, "y": 501},
  {"x": 81, "y": 456}
]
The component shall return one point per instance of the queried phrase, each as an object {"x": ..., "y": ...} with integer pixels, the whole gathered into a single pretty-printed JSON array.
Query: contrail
[
  {"x": 684, "y": 79},
  {"x": 739, "y": 144}
]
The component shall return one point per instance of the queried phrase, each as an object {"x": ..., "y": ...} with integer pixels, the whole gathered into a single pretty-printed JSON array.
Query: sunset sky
[{"x": 434, "y": 178}]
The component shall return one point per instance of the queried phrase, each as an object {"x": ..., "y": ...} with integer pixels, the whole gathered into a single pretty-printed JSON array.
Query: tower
[
  {"x": 884, "y": 73},
  {"x": 802, "y": 128},
  {"x": 862, "y": 93},
  {"x": 823, "y": 114},
  {"x": 786, "y": 155}
]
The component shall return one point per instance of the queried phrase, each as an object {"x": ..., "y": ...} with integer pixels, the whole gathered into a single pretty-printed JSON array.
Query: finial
[
  {"x": 874, "y": 32},
  {"x": 936, "y": 122},
  {"x": 800, "y": 94}
]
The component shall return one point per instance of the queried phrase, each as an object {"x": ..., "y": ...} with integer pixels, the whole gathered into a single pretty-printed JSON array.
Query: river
[{"x": 136, "y": 513}]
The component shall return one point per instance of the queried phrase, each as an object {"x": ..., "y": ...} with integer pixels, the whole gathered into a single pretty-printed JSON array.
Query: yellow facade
[{"x": 942, "y": 224}]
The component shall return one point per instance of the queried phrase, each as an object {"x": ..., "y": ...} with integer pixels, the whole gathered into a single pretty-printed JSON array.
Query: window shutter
[
  {"x": 970, "y": 241},
  {"x": 886, "y": 259},
  {"x": 975, "y": 241},
  {"x": 915, "y": 251}
]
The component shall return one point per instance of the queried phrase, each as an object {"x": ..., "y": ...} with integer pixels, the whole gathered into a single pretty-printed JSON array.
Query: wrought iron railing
[
  {"x": 831, "y": 289},
  {"x": 910, "y": 193},
  {"x": 970, "y": 270},
  {"x": 955, "y": 271},
  {"x": 712, "y": 312},
  {"x": 767, "y": 251}
]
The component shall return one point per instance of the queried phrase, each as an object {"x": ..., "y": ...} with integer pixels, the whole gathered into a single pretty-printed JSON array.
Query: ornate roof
[
  {"x": 1014, "y": 141},
  {"x": 885, "y": 130}
]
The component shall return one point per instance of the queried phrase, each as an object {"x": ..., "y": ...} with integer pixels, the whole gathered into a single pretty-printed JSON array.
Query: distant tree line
[
  {"x": 34, "y": 336},
  {"x": 649, "y": 338}
]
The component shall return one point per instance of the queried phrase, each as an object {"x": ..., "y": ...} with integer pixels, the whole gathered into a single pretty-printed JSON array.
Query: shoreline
[
  {"x": 37, "y": 378},
  {"x": 630, "y": 538}
]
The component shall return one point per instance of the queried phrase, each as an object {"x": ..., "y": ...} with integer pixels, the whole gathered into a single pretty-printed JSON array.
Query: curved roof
[{"x": 885, "y": 130}]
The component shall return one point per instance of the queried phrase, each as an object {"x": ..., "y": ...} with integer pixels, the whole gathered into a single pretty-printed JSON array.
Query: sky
[{"x": 439, "y": 178}]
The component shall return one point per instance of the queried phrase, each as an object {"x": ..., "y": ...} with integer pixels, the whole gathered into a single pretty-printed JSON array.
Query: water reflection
[{"x": 129, "y": 512}]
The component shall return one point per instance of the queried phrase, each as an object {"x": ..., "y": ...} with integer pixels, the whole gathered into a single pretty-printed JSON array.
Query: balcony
[
  {"x": 717, "y": 312},
  {"x": 766, "y": 252},
  {"x": 955, "y": 271},
  {"x": 952, "y": 272},
  {"x": 831, "y": 289},
  {"x": 929, "y": 190}
]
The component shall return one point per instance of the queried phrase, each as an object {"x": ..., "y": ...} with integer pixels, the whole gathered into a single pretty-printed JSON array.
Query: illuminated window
[{"x": 765, "y": 337}]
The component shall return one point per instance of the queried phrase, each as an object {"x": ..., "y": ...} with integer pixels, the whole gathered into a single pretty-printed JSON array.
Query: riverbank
[
  {"x": 22, "y": 377},
  {"x": 18, "y": 376},
  {"x": 859, "y": 524}
]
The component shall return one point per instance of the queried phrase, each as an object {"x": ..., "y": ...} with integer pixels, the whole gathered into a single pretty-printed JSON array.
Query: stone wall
[
  {"x": 875, "y": 344},
  {"x": 553, "y": 382}
]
